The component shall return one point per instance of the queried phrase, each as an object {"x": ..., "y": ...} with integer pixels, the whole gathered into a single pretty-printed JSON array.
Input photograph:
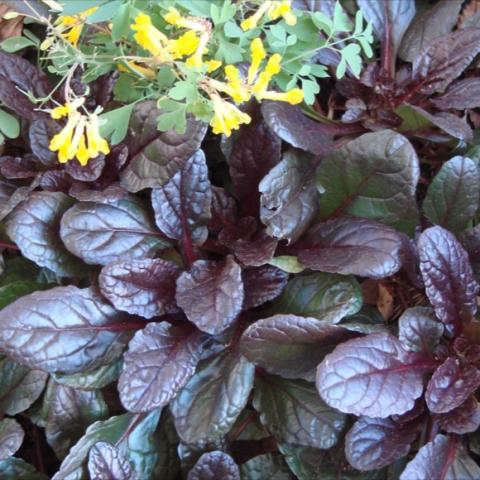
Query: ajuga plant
[{"x": 220, "y": 266}]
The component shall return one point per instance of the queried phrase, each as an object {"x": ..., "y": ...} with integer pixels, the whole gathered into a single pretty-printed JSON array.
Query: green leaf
[
  {"x": 341, "y": 68},
  {"x": 184, "y": 90},
  {"x": 232, "y": 30},
  {"x": 351, "y": 54},
  {"x": 93, "y": 379},
  {"x": 229, "y": 52},
  {"x": 121, "y": 22},
  {"x": 116, "y": 123},
  {"x": 72, "y": 8},
  {"x": 310, "y": 88},
  {"x": 453, "y": 196},
  {"x": 17, "y": 469},
  {"x": 287, "y": 263},
  {"x": 374, "y": 176},
  {"x": 323, "y": 22},
  {"x": 173, "y": 120},
  {"x": 165, "y": 77},
  {"x": 9, "y": 125},
  {"x": 326, "y": 296},
  {"x": 12, "y": 291},
  {"x": 105, "y": 12},
  {"x": 14, "y": 44},
  {"x": 341, "y": 23}
]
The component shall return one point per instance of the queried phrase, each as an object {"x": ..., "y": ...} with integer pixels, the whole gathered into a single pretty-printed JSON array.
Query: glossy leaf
[
  {"x": 70, "y": 413},
  {"x": 214, "y": 466},
  {"x": 209, "y": 404},
  {"x": 325, "y": 296},
  {"x": 91, "y": 379},
  {"x": 444, "y": 457},
  {"x": 140, "y": 287},
  {"x": 106, "y": 462},
  {"x": 352, "y": 246},
  {"x": 427, "y": 26},
  {"x": 419, "y": 330},
  {"x": 51, "y": 330},
  {"x": 288, "y": 201},
  {"x": 448, "y": 276},
  {"x": 444, "y": 59},
  {"x": 375, "y": 442},
  {"x": 160, "y": 360},
  {"x": 262, "y": 284},
  {"x": 291, "y": 346},
  {"x": 453, "y": 196},
  {"x": 463, "y": 419},
  {"x": 18, "y": 469},
  {"x": 11, "y": 437},
  {"x": 100, "y": 233},
  {"x": 211, "y": 294},
  {"x": 374, "y": 176},
  {"x": 182, "y": 206},
  {"x": 372, "y": 376},
  {"x": 294, "y": 127},
  {"x": 34, "y": 226},
  {"x": 450, "y": 385},
  {"x": 155, "y": 156},
  {"x": 293, "y": 412},
  {"x": 460, "y": 95},
  {"x": 40, "y": 132}
]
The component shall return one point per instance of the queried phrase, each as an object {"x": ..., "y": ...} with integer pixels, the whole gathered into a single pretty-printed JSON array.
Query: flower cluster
[
  {"x": 274, "y": 10},
  {"x": 80, "y": 137}
]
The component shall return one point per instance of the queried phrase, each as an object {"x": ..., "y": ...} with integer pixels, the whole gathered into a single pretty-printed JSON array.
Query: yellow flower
[
  {"x": 293, "y": 96},
  {"x": 96, "y": 144},
  {"x": 195, "y": 61},
  {"x": 282, "y": 9},
  {"x": 74, "y": 25},
  {"x": 61, "y": 141},
  {"x": 258, "y": 54},
  {"x": 69, "y": 107},
  {"x": 252, "y": 21},
  {"x": 149, "y": 37},
  {"x": 146, "y": 72},
  {"x": 271, "y": 69},
  {"x": 226, "y": 117},
  {"x": 175, "y": 18},
  {"x": 238, "y": 91},
  {"x": 186, "y": 44},
  {"x": 82, "y": 153},
  {"x": 213, "y": 65}
]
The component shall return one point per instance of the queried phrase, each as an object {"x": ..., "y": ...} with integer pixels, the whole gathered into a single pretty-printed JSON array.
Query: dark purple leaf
[
  {"x": 444, "y": 59},
  {"x": 224, "y": 209},
  {"x": 372, "y": 376},
  {"x": 18, "y": 167},
  {"x": 453, "y": 196},
  {"x": 111, "y": 194},
  {"x": 262, "y": 284},
  {"x": 254, "y": 250},
  {"x": 377, "y": 442},
  {"x": 106, "y": 462},
  {"x": 214, "y": 466},
  {"x": 294, "y": 127},
  {"x": 448, "y": 122},
  {"x": 448, "y": 276},
  {"x": 288, "y": 201},
  {"x": 182, "y": 206},
  {"x": 160, "y": 360},
  {"x": 442, "y": 459},
  {"x": 17, "y": 76},
  {"x": 18, "y": 196},
  {"x": 209, "y": 404},
  {"x": 419, "y": 330},
  {"x": 463, "y": 419},
  {"x": 115, "y": 161},
  {"x": 390, "y": 20},
  {"x": 292, "y": 411},
  {"x": 352, "y": 245},
  {"x": 86, "y": 173},
  {"x": 65, "y": 329},
  {"x": 291, "y": 346},
  {"x": 100, "y": 233},
  {"x": 70, "y": 412},
  {"x": 470, "y": 240},
  {"x": 374, "y": 176},
  {"x": 324, "y": 296},
  {"x": 255, "y": 151},
  {"x": 56, "y": 181},
  {"x": 325, "y": 6},
  {"x": 460, "y": 95},
  {"x": 211, "y": 294},
  {"x": 140, "y": 287},
  {"x": 429, "y": 25},
  {"x": 155, "y": 156},
  {"x": 451, "y": 384},
  {"x": 34, "y": 227},
  {"x": 11, "y": 437},
  {"x": 40, "y": 133}
]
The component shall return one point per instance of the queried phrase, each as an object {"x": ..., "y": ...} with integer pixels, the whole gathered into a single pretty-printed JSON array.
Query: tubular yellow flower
[
  {"x": 137, "y": 68},
  {"x": 149, "y": 37},
  {"x": 74, "y": 25},
  {"x": 293, "y": 96},
  {"x": 273, "y": 65},
  {"x": 173, "y": 17},
  {"x": 186, "y": 44},
  {"x": 252, "y": 21},
  {"x": 282, "y": 9},
  {"x": 96, "y": 144},
  {"x": 213, "y": 65},
  {"x": 69, "y": 107},
  {"x": 238, "y": 91},
  {"x": 195, "y": 61},
  {"x": 75, "y": 141},
  {"x": 61, "y": 141},
  {"x": 258, "y": 54},
  {"x": 271, "y": 69},
  {"x": 226, "y": 117},
  {"x": 82, "y": 153}
]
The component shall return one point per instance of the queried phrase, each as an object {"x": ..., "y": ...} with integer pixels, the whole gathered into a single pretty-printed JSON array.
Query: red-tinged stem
[
  {"x": 451, "y": 451},
  {"x": 234, "y": 434},
  {"x": 136, "y": 419},
  {"x": 8, "y": 246}
]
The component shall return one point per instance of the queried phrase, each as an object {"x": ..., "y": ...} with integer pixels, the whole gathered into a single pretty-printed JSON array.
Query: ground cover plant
[{"x": 240, "y": 240}]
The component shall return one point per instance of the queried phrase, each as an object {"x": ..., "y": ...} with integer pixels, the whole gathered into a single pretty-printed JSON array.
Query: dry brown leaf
[
  {"x": 9, "y": 28},
  {"x": 385, "y": 302}
]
